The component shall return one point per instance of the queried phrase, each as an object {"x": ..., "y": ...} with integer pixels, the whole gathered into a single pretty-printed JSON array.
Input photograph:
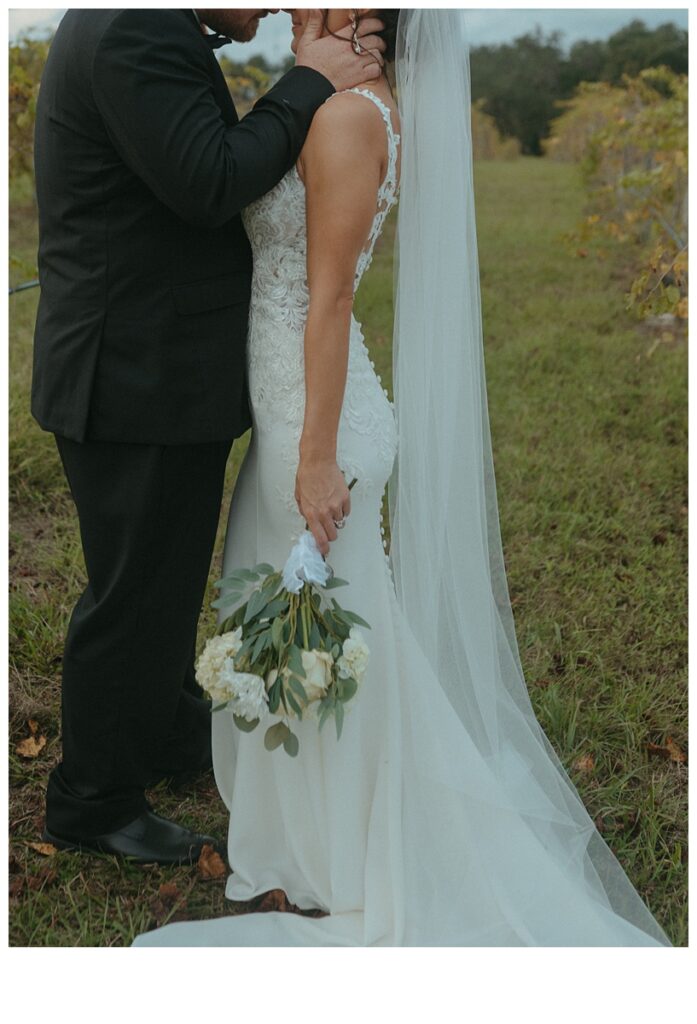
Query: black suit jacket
[{"x": 142, "y": 169}]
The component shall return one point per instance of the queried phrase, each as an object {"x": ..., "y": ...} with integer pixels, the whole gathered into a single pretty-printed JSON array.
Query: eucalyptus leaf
[
  {"x": 228, "y": 584},
  {"x": 230, "y": 579},
  {"x": 256, "y": 604},
  {"x": 298, "y": 688},
  {"x": 315, "y": 635},
  {"x": 264, "y": 568},
  {"x": 291, "y": 744},
  {"x": 293, "y": 703},
  {"x": 275, "y": 608},
  {"x": 348, "y": 688},
  {"x": 219, "y": 707},
  {"x": 339, "y": 718},
  {"x": 277, "y": 633},
  {"x": 275, "y": 696},
  {"x": 225, "y": 601},
  {"x": 335, "y": 581},
  {"x": 295, "y": 662},
  {"x": 276, "y": 735},
  {"x": 259, "y": 646},
  {"x": 357, "y": 620},
  {"x": 246, "y": 574},
  {"x": 247, "y": 644},
  {"x": 244, "y": 725}
]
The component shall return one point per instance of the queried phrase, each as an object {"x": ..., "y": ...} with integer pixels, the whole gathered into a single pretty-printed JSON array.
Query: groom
[{"x": 142, "y": 169}]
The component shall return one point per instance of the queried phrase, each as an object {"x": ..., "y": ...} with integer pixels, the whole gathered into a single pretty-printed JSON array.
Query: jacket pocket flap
[{"x": 213, "y": 293}]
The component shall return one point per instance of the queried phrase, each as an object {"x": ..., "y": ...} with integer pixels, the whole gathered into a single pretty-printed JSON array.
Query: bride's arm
[{"x": 342, "y": 165}]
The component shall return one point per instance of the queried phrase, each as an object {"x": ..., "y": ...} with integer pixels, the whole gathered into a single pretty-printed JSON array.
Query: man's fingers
[
  {"x": 314, "y": 26},
  {"x": 372, "y": 70},
  {"x": 369, "y": 27}
]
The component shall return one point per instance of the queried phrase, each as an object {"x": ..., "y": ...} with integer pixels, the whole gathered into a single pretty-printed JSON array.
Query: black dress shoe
[{"x": 149, "y": 839}]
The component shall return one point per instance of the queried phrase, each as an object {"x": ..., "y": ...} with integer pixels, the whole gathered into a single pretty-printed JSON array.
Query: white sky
[{"x": 485, "y": 25}]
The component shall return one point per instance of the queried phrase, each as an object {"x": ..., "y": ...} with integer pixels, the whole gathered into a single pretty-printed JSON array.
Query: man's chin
[{"x": 248, "y": 32}]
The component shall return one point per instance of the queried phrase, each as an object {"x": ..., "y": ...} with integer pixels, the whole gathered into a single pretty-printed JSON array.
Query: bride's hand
[{"x": 323, "y": 498}]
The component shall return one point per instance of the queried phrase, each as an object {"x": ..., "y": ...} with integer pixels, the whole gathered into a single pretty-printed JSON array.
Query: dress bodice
[{"x": 276, "y": 227}]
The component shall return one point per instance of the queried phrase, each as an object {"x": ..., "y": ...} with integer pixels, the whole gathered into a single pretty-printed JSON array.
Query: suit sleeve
[{"x": 155, "y": 94}]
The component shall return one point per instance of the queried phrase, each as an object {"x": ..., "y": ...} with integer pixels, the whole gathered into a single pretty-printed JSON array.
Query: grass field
[{"x": 589, "y": 435}]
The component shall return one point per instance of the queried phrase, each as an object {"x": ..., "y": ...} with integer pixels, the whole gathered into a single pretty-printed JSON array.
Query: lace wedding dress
[{"x": 399, "y": 831}]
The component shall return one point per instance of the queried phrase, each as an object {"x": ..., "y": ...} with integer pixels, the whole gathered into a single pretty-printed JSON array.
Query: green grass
[{"x": 589, "y": 436}]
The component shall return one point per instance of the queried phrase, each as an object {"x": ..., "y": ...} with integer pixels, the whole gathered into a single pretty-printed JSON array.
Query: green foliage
[
  {"x": 518, "y": 84},
  {"x": 26, "y": 62},
  {"x": 487, "y": 141},
  {"x": 631, "y": 142},
  {"x": 521, "y": 83}
]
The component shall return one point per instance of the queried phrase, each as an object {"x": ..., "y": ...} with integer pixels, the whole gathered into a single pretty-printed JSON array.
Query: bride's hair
[{"x": 389, "y": 33}]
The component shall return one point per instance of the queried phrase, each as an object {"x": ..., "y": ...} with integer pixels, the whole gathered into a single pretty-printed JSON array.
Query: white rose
[
  {"x": 318, "y": 673},
  {"x": 318, "y": 676},
  {"x": 217, "y": 650},
  {"x": 354, "y": 656}
]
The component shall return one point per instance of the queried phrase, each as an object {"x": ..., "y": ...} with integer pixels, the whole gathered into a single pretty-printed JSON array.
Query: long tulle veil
[{"x": 446, "y": 548}]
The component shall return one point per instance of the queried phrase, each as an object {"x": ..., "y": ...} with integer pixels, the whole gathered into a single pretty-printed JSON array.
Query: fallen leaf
[
  {"x": 210, "y": 863},
  {"x": 676, "y": 754},
  {"x": 45, "y": 849},
  {"x": 585, "y": 763},
  {"x": 168, "y": 892},
  {"x": 33, "y": 726},
  {"x": 274, "y": 899},
  {"x": 600, "y": 823},
  {"x": 31, "y": 746},
  {"x": 670, "y": 751}
]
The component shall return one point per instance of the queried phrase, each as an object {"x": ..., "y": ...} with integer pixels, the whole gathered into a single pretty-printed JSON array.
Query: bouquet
[{"x": 287, "y": 650}]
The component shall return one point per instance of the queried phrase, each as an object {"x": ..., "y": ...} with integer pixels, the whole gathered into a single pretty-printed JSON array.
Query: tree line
[{"x": 520, "y": 84}]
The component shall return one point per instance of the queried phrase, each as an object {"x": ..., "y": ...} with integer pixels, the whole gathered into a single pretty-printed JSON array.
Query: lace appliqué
[{"x": 276, "y": 227}]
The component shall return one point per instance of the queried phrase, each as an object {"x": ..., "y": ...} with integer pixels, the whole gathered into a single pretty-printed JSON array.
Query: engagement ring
[{"x": 340, "y": 523}]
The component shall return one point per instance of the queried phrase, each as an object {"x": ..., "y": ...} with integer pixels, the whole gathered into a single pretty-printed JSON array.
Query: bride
[{"x": 442, "y": 816}]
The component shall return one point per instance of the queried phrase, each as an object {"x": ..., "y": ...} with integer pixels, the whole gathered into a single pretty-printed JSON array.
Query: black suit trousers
[{"x": 131, "y": 706}]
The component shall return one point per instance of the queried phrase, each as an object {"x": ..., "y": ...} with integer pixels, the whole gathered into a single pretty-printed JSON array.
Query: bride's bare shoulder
[{"x": 345, "y": 124}]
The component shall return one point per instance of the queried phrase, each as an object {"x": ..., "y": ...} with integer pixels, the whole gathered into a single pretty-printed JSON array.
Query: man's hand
[
  {"x": 334, "y": 57},
  {"x": 323, "y": 497}
]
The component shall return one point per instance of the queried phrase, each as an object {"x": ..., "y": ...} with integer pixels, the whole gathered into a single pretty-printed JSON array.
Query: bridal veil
[{"x": 446, "y": 548}]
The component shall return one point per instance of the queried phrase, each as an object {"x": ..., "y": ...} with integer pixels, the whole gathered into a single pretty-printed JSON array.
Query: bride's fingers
[
  {"x": 319, "y": 533},
  {"x": 327, "y": 522}
]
